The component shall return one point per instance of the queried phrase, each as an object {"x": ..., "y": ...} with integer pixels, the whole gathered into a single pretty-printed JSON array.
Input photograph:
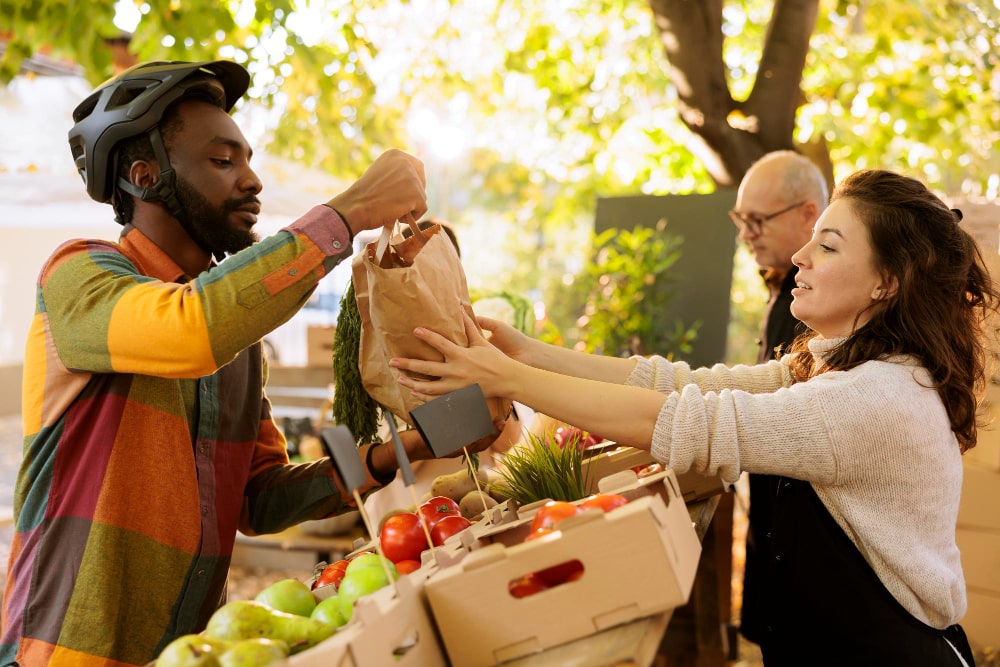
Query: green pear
[
  {"x": 290, "y": 596},
  {"x": 247, "y": 619},
  {"x": 254, "y": 653},
  {"x": 192, "y": 651}
]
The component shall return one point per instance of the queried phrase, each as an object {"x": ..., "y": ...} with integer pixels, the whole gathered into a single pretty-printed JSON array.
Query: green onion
[{"x": 541, "y": 469}]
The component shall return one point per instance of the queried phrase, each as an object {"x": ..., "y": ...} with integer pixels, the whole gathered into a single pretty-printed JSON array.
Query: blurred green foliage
[
  {"x": 551, "y": 105},
  {"x": 624, "y": 293}
]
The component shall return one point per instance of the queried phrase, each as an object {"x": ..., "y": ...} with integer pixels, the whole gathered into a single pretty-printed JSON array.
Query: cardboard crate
[
  {"x": 388, "y": 628},
  {"x": 319, "y": 345},
  {"x": 638, "y": 560},
  {"x": 980, "y": 623},
  {"x": 980, "y": 551},
  {"x": 986, "y": 453},
  {"x": 607, "y": 460},
  {"x": 980, "y": 498}
]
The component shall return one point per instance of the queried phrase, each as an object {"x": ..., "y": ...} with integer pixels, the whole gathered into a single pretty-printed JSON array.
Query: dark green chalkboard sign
[{"x": 703, "y": 274}]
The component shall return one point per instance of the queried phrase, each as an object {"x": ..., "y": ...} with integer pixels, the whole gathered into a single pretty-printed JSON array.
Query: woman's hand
[
  {"x": 481, "y": 363},
  {"x": 515, "y": 344}
]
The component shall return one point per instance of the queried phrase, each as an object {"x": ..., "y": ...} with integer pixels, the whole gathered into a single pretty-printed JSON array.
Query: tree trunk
[{"x": 731, "y": 134}]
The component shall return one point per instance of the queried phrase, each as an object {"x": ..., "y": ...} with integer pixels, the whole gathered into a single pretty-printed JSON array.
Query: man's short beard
[{"x": 209, "y": 225}]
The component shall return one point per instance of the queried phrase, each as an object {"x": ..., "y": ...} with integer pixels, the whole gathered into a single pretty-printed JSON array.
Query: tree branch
[
  {"x": 691, "y": 34},
  {"x": 776, "y": 92}
]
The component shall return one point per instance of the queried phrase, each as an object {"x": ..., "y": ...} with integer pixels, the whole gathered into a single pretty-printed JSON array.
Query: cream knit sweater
[{"x": 875, "y": 442}]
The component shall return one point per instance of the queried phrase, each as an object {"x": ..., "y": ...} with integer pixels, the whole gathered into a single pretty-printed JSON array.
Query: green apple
[
  {"x": 361, "y": 580},
  {"x": 328, "y": 611},
  {"x": 290, "y": 596},
  {"x": 366, "y": 559}
]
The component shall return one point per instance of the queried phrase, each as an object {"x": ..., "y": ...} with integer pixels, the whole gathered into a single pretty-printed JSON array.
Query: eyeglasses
[{"x": 754, "y": 222}]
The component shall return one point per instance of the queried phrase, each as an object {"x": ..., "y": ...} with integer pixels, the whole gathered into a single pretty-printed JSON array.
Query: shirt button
[
  {"x": 777, "y": 557},
  {"x": 768, "y": 536},
  {"x": 292, "y": 272},
  {"x": 201, "y": 573},
  {"x": 337, "y": 244},
  {"x": 204, "y": 510}
]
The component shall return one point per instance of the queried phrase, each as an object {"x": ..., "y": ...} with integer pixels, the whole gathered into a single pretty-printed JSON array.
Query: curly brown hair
[{"x": 945, "y": 295}]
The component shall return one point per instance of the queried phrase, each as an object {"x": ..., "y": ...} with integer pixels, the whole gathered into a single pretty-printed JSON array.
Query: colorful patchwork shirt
[{"x": 149, "y": 441}]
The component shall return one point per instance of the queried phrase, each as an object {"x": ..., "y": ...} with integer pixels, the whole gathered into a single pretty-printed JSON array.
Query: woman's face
[{"x": 837, "y": 278}]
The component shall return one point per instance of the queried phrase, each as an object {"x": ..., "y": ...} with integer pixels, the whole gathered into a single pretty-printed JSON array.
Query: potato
[
  {"x": 471, "y": 504},
  {"x": 457, "y": 484}
]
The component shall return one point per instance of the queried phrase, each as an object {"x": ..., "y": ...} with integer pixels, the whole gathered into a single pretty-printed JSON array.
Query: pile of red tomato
[
  {"x": 546, "y": 521},
  {"x": 403, "y": 538}
]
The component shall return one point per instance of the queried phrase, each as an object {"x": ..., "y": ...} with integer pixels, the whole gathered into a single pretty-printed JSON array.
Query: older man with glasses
[{"x": 779, "y": 200}]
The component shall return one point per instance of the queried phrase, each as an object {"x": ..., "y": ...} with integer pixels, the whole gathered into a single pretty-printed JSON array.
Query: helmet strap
[{"x": 164, "y": 189}]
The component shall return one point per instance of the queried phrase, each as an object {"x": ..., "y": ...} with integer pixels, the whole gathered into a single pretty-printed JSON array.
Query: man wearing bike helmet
[{"x": 148, "y": 437}]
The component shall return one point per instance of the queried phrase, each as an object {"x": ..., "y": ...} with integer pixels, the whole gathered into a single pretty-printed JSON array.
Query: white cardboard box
[
  {"x": 980, "y": 559},
  {"x": 980, "y": 623},
  {"x": 638, "y": 560},
  {"x": 389, "y": 629},
  {"x": 609, "y": 460},
  {"x": 980, "y": 498}
]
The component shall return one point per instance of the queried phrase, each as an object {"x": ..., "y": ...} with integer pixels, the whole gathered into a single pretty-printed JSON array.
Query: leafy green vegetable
[
  {"x": 523, "y": 312},
  {"x": 352, "y": 405},
  {"x": 542, "y": 469}
]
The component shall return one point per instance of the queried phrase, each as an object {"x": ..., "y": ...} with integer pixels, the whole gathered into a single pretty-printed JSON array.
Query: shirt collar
[{"x": 150, "y": 258}]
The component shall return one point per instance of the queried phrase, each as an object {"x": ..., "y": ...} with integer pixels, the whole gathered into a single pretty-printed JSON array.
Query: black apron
[
  {"x": 779, "y": 330},
  {"x": 825, "y": 604}
]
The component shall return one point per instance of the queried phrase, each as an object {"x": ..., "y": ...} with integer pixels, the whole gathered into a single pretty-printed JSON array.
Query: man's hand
[
  {"x": 485, "y": 443},
  {"x": 392, "y": 187}
]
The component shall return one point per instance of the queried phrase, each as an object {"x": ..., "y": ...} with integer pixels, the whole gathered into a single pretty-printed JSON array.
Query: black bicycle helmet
[{"x": 132, "y": 103}]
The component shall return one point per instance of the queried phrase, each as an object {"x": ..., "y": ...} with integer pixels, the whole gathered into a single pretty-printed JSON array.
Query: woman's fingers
[
  {"x": 434, "y": 339},
  {"x": 488, "y": 324},
  {"x": 471, "y": 330}
]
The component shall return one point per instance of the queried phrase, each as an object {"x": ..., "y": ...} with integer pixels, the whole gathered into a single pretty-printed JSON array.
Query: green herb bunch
[
  {"x": 541, "y": 469},
  {"x": 352, "y": 405}
]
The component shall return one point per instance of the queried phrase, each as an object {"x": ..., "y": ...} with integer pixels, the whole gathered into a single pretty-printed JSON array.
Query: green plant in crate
[{"x": 541, "y": 468}]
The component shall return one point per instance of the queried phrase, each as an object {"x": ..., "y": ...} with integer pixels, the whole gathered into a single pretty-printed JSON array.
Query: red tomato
[
  {"x": 448, "y": 526},
  {"x": 402, "y": 537},
  {"x": 436, "y": 508},
  {"x": 603, "y": 501},
  {"x": 561, "y": 573},
  {"x": 527, "y": 585},
  {"x": 647, "y": 470},
  {"x": 407, "y": 566},
  {"x": 550, "y": 514},
  {"x": 573, "y": 435},
  {"x": 331, "y": 574}
]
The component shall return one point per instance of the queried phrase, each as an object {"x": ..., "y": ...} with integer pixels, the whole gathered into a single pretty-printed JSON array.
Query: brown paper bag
[{"x": 399, "y": 285}]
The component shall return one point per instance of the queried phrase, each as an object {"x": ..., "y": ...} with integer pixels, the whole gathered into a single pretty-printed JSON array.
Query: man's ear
[
  {"x": 144, "y": 173},
  {"x": 810, "y": 213}
]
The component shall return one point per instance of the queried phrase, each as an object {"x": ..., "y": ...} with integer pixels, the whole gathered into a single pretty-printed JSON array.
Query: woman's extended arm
[
  {"x": 537, "y": 354},
  {"x": 616, "y": 411}
]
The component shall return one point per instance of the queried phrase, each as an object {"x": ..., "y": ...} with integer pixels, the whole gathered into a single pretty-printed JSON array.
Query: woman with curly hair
[{"x": 865, "y": 420}]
